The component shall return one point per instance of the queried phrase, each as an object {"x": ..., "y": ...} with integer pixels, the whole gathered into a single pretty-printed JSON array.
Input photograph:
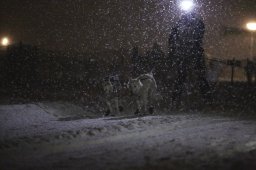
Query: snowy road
[{"x": 166, "y": 141}]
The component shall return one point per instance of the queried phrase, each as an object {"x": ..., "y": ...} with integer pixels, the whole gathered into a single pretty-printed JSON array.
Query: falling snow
[{"x": 57, "y": 56}]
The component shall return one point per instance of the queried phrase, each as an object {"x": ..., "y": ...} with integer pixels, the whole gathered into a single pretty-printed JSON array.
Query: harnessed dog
[
  {"x": 111, "y": 87},
  {"x": 143, "y": 89}
]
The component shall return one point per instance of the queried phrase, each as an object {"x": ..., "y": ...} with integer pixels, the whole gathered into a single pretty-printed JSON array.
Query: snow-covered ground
[{"x": 66, "y": 136}]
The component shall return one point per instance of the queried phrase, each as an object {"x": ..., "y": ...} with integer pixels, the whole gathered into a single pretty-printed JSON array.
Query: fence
[{"x": 231, "y": 70}]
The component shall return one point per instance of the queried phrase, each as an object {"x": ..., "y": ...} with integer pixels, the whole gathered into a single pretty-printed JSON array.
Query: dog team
[{"x": 142, "y": 91}]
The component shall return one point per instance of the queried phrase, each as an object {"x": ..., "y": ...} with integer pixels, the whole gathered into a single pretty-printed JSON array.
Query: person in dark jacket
[{"x": 187, "y": 55}]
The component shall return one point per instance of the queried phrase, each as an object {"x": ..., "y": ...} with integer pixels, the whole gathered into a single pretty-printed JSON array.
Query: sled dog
[
  {"x": 111, "y": 94},
  {"x": 143, "y": 88}
]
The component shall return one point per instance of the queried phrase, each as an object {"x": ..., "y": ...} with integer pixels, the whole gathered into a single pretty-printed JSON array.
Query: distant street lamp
[
  {"x": 251, "y": 26},
  {"x": 186, "y": 5},
  {"x": 5, "y": 41}
]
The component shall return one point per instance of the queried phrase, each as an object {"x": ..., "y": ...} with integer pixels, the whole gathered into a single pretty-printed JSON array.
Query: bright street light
[
  {"x": 251, "y": 26},
  {"x": 5, "y": 41},
  {"x": 186, "y": 5}
]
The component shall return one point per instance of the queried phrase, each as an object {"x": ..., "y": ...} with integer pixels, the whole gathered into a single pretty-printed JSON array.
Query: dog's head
[{"x": 135, "y": 85}]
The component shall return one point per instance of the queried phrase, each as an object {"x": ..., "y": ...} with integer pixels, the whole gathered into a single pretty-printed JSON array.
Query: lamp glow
[
  {"x": 186, "y": 5},
  {"x": 251, "y": 26},
  {"x": 5, "y": 41}
]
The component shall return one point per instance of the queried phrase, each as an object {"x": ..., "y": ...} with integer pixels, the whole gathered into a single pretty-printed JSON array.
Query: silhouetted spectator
[
  {"x": 250, "y": 71},
  {"x": 186, "y": 41}
]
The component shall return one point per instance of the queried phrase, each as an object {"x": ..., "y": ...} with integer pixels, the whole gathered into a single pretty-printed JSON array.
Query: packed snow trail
[{"x": 166, "y": 141}]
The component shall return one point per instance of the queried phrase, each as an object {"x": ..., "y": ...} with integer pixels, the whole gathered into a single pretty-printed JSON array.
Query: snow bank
[
  {"x": 38, "y": 119},
  {"x": 48, "y": 122},
  {"x": 60, "y": 136}
]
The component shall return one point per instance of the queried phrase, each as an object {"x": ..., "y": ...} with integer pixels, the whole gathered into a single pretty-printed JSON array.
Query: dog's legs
[
  {"x": 151, "y": 100},
  {"x": 145, "y": 102},
  {"x": 109, "y": 107},
  {"x": 116, "y": 103},
  {"x": 138, "y": 106}
]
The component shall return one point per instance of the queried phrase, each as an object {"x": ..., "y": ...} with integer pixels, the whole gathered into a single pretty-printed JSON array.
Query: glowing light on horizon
[
  {"x": 5, "y": 41},
  {"x": 251, "y": 26}
]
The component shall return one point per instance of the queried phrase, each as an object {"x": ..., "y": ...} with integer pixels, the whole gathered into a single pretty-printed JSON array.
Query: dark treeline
[{"x": 29, "y": 71}]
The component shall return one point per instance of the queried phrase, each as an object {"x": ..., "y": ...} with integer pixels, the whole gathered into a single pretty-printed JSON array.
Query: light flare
[
  {"x": 5, "y": 41},
  {"x": 187, "y": 5},
  {"x": 251, "y": 26}
]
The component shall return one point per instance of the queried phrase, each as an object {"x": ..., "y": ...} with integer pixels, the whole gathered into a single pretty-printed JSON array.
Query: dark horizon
[{"x": 96, "y": 25}]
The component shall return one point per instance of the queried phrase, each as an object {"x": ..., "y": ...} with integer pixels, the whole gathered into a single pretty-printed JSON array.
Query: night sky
[{"x": 91, "y": 25}]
